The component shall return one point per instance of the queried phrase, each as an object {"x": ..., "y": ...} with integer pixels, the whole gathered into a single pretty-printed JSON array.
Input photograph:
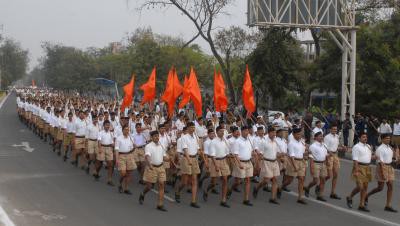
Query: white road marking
[
  {"x": 349, "y": 211},
  {"x": 165, "y": 196},
  {"x": 4, "y": 100},
  {"x": 4, "y": 219},
  {"x": 25, "y": 146},
  {"x": 46, "y": 217}
]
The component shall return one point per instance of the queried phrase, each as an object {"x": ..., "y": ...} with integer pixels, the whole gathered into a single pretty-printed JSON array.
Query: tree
[{"x": 202, "y": 13}]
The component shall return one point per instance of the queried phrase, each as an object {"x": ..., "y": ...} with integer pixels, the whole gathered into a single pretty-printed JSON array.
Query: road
[{"x": 38, "y": 189}]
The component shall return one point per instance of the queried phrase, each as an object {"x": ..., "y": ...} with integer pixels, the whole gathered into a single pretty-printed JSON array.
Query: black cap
[
  {"x": 296, "y": 130},
  {"x": 154, "y": 132}
]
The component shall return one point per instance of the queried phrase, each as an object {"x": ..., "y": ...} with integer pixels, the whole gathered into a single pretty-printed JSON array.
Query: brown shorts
[
  {"x": 68, "y": 139},
  {"x": 223, "y": 168},
  {"x": 60, "y": 134},
  {"x": 80, "y": 143},
  {"x": 364, "y": 174},
  {"x": 46, "y": 128},
  {"x": 388, "y": 173},
  {"x": 396, "y": 140},
  {"x": 283, "y": 162},
  {"x": 171, "y": 155},
  {"x": 192, "y": 169},
  {"x": 126, "y": 162},
  {"x": 269, "y": 169},
  {"x": 40, "y": 123},
  {"x": 334, "y": 162},
  {"x": 92, "y": 146},
  {"x": 157, "y": 174},
  {"x": 301, "y": 166},
  {"x": 247, "y": 170},
  {"x": 105, "y": 154},
  {"x": 320, "y": 170},
  {"x": 138, "y": 155}
]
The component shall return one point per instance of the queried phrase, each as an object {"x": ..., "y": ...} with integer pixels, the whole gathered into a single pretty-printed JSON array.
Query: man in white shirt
[
  {"x": 361, "y": 174},
  {"x": 283, "y": 156},
  {"x": 385, "y": 171},
  {"x": 79, "y": 139},
  {"x": 92, "y": 134},
  {"x": 332, "y": 143},
  {"x": 318, "y": 166},
  {"x": 68, "y": 138},
  {"x": 189, "y": 164},
  {"x": 384, "y": 127},
  {"x": 155, "y": 171},
  {"x": 60, "y": 133},
  {"x": 396, "y": 133},
  {"x": 296, "y": 165},
  {"x": 317, "y": 128},
  {"x": 125, "y": 162},
  {"x": 206, "y": 150},
  {"x": 243, "y": 151},
  {"x": 105, "y": 152},
  {"x": 268, "y": 150},
  {"x": 140, "y": 142},
  {"x": 180, "y": 123}
]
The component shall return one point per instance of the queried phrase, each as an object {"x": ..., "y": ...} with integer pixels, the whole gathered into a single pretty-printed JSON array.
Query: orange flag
[
  {"x": 128, "y": 94},
  {"x": 220, "y": 99},
  {"x": 247, "y": 93},
  {"x": 186, "y": 93},
  {"x": 195, "y": 94},
  {"x": 149, "y": 88},
  {"x": 173, "y": 90},
  {"x": 33, "y": 83}
]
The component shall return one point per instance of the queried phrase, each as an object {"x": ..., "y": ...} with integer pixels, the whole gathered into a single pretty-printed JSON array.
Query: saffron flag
[
  {"x": 220, "y": 99},
  {"x": 149, "y": 88},
  {"x": 195, "y": 94},
  {"x": 173, "y": 90},
  {"x": 128, "y": 94},
  {"x": 247, "y": 93},
  {"x": 33, "y": 83},
  {"x": 186, "y": 93}
]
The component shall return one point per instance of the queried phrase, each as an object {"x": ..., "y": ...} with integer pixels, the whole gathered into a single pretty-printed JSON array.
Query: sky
[{"x": 95, "y": 23}]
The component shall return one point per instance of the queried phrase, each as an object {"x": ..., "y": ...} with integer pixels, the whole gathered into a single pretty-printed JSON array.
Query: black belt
[
  {"x": 70, "y": 133},
  {"x": 298, "y": 159},
  {"x": 141, "y": 146},
  {"x": 220, "y": 158},
  {"x": 388, "y": 164},
  {"x": 125, "y": 153},
  {"x": 157, "y": 166},
  {"x": 79, "y": 136},
  {"x": 93, "y": 139},
  {"x": 245, "y": 160},
  {"x": 193, "y": 156},
  {"x": 333, "y": 153},
  {"x": 270, "y": 160},
  {"x": 363, "y": 164},
  {"x": 106, "y": 145},
  {"x": 319, "y": 161}
]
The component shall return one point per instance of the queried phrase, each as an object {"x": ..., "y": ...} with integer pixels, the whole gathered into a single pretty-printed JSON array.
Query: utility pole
[{"x": 1, "y": 54}]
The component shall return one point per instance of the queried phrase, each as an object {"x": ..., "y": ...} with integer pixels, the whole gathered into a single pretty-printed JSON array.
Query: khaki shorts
[
  {"x": 171, "y": 156},
  {"x": 301, "y": 166},
  {"x": 247, "y": 170},
  {"x": 334, "y": 162},
  {"x": 364, "y": 174},
  {"x": 223, "y": 168},
  {"x": 126, "y": 162},
  {"x": 105, "y": 154},
  {"x": 40, "y": 123},
  {"x": 320, "y": 170},
  {"x": 92, "y": 146},
  {"x": 283, "y": 162},
  {"x": 80, "y": 143},
  {"x": 388, "y": 173},
  {"x": 60, "y": 134},
  {"x": 396, "y": 140},
  {"x": 269, "y": 169},
  {"x": 231, "y": 162},
  {"x": 138, "y": 155},
  {"x": 157, "y": 174},
  {"x": 68, "y": 139},
  {"x": 192, "y": 169}
]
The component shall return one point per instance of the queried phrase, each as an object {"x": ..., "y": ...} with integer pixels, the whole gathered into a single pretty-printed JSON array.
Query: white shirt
[
  {"x": 70, "y": 126},
  {"x": 219, "y": 148},
  {"x": 384, "y": 154},
  {"x": 155, "y": 152},
  {"x": 318, "y": 151},
  {"x": 92, "y": 132},
  {"x": 201, "y": 130},
  {"x": 123, "y": 144},
  {"x": 268, "y": 148},
  {"x": 384, "y": 128},
  {"x": 396, "y": 129},
  {"x": 191, "y": 144},
  {"x": 296, "y": 149},
  {"x": 179, "y": 148},
  {"x": 80, "y": 127},
  {"x": 332, "y": 142},
  {"x": 282, "y": 144},
  {"x": 165, "y": 141},
  {"x": 206, "y": 145},
  {"x": 179, "y": 124},
  {"x": 139, "y": 139},
  {"x": 243, "y": 148},
  {"x": 362, "y": 153},
  {"x": 231, "y": 143},
  {"x": 106, "y": 138}
]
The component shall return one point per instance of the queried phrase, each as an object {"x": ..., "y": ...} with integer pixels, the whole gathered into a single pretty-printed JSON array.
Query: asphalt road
[{"x": 38, "y": 189}]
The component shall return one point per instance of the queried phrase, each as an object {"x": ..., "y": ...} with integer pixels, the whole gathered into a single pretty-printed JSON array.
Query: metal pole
[
  {"x": 352, "y": 82},
  {"x": 345, "y": 52},
  {"x": 116, "y": 89}
]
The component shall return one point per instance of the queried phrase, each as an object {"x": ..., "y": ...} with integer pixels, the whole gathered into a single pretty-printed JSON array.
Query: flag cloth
[
  {"x": 33, "y": 83},
  {"x": 173, "y": 90},
  {"x": 186, "y": 93},
  {"x": 195, "y": 94},
  {"x": 149, "y": 88},
  {"x": 247, "y": 93},
  {"x": 220, "y": 99},
  {"x": 128, "y": 94}
]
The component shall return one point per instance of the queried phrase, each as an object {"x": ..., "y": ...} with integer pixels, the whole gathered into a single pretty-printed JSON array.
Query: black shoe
[
  {"x": 255, "y": 192},
  {"x": 205, "y": 195},
  {"x": 189, "y": 191},
  {"x": 349, "y": 202},
  {"x": 267, "y": 189},
  {"x": 301, "y": 201},
  {"x": 223, "y": 204},
  {"x": 320, "y": 198},
  {"x": 75, "y": 163},
  {"x": 141, "y": 182},
  {"x": 59, "y": 153},
  {"x": 177, "y": 197},
  {"x": 161, "y": 208},
  {"x": 65, "y": 158},
  {"x": 228, "y": 194},
  {"x": 214, "y": 191},
  {"x": 236, "y": 190},
  {"x": 110, "y": 183},
  {"x": 194, "y": 205},
  {"x": 96, "y": 177},
  {"x": 247, "y": 203},
  {"x": 317, "y": 190},
  {"x": 363, "y": 208},
  {"x": 285, "y": 189},
  {"x": 141, "y": 199},
  {"x": 279, "y": 194},
  {"x": 120, "y": 190},
  {"x": 54, "y": 149},
  {"x": 390, "y": 209},
  {"x": 273, "y": 201},
  {"x": 128, "y": 192},
  {"x": 334, "y": 196},
  {"x": 87, "y": 170},
  {"x": 307, "y": 192},
  {"x": 82, "y": 167},
  {"x": 366, "y": 202}
]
